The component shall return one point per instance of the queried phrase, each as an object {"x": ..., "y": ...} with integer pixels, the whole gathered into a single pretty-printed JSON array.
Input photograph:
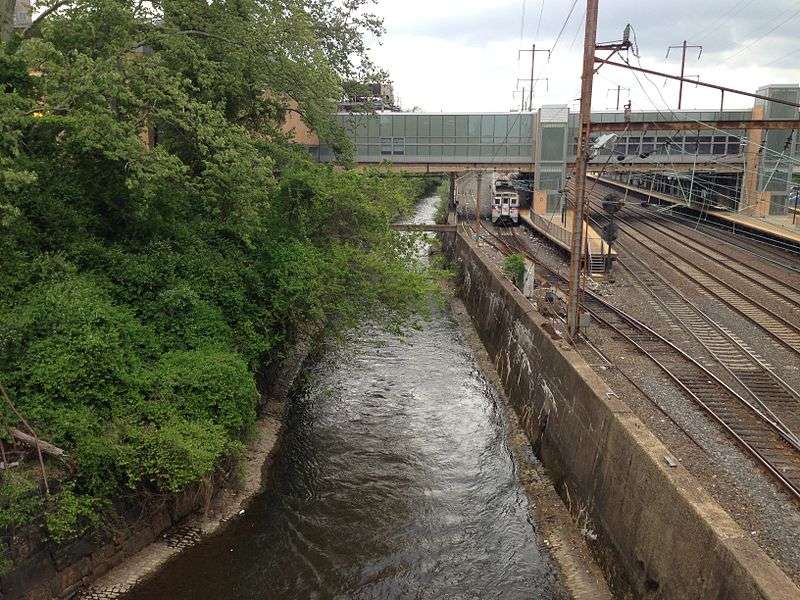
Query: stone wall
[
  {"x": 656, "y": 532},
  {"x": 42, "y": 570}
]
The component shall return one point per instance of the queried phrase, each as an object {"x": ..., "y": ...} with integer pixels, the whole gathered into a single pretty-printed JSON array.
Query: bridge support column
[
  {"x": 478, "y": 193},
  {"x": 452, "y": 191},
  {"x": 751, "y": 200}
]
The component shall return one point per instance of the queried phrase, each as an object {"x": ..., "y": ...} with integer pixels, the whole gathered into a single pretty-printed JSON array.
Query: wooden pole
[
  {"x": 581, "y": 161},
  {"x": 683, "y": 68}
]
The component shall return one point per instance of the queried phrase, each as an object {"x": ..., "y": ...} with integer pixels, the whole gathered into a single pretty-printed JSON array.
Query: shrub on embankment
[
  {"x": 144, "y": 284},
  {"x": 443, "y": 205}
]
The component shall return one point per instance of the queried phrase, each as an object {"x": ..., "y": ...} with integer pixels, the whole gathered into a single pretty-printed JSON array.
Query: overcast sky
[{"x": 461, "y": 55}]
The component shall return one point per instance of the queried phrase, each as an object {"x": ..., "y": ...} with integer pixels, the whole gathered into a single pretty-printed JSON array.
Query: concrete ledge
[{"x": 658, "y": 533}]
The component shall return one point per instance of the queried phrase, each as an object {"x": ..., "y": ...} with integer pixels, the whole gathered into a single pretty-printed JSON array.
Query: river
[{"x": 394, "y": 480}]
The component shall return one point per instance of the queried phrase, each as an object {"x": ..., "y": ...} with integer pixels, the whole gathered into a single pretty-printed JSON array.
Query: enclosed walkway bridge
[
  {"x": 743, "y": 160},
  {"x": 723, "y": 146}
]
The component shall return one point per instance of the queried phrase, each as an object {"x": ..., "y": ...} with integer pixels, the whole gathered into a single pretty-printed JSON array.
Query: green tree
[{"x": 163, "y": 240}]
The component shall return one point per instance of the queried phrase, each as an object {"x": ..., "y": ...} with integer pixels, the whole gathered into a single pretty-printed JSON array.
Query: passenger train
[{"x": 505, "y": 202}]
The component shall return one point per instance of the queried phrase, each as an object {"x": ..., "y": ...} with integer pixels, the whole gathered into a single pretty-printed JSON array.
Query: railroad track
[
  {"x": 757, "y": 425},
  {"x": 752, "y": 428},
  {"x": 739, "y": 295},
  {"x": 764, "y": 247},
  {"x": 774, "y": 263},
  {"x": 772, "y": 280},
  {"x": 773, "y": 396}
]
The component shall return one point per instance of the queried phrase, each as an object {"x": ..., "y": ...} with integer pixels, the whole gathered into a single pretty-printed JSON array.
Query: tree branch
[
  {"x": 37, "y": 444},
  {"x": 30, "y": 29},
  {"x": 205, "y": 34}
]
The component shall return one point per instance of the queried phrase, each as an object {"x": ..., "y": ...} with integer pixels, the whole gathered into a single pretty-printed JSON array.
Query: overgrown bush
[
  {"x": 210, "y": 385},
  {"x": 514, "y": 267},
  {"x": 443, "y": 207},
  {"x": 20, "y": 500},
  {"x": 144, "y": 285},
  {"x": 70, "y": 514},
  {"x": 175, "y": 453}
]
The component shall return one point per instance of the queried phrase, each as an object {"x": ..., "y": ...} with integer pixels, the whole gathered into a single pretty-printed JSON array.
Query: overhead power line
[
  {"x": 715, "y": 26},
  {"x": 722, "y": 88},
  {"x": 781, "y": 23},
  {"x": 564, "y": 25},
  {"x": 578, "y": 30},
  {"x": 539, "y": 24},
  {"x": 782, "y": 58}
]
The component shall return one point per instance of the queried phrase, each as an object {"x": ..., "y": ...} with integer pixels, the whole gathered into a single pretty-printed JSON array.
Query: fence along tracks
[{"x": 759, "y": 425}]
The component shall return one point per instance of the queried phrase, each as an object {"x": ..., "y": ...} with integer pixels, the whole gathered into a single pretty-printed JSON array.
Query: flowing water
[{"x": 394, "y": 481}]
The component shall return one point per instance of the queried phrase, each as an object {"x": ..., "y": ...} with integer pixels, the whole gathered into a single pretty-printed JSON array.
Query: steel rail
[
  {"x": 687, "y": 226},
  {"x": 775, "y": 396},
  {"x": 760, "y": 242},
  {"x": 778, "y": 285},
  {"x": 766, "y": 445},
  {"x": 757, "y": 242},
  {"x": 780, "y": 328}
]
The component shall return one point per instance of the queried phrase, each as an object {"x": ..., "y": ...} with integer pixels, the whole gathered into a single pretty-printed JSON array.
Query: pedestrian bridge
[
  {"x": 440, "y": 143},
  {"x": 722, "y": 145}
]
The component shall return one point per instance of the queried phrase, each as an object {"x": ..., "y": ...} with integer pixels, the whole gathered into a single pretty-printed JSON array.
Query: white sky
[{"x": 461, "y": 55}]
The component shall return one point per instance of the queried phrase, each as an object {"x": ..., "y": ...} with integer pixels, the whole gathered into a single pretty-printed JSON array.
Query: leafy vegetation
[
  {"x": 162, "y": 239},
  {"x": 442, "y": 208},
  {"x": 514, "y": 267}
]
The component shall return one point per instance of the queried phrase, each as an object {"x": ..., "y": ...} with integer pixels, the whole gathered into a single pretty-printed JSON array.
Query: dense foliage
[
  {"x": 443, "y": 206},
  {"x": 161, "y": 239},
  {"x": 514, "y": 267}
]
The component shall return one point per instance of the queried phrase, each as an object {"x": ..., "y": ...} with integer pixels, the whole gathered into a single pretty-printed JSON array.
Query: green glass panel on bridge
[
  {"x": 424, "y": 137},
  {"x": 416, "y": 140}
]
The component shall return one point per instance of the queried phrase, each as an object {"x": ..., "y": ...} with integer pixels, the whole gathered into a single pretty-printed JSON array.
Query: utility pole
[
  {"x": 581, "y": 161},
  {"x": 683, "y": 47},
  {"x": 533, "y": 52},
  {"x": 533, "y": 81}
]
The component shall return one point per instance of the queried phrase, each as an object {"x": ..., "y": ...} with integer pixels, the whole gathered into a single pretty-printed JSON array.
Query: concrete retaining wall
[{"x": 658, "y": 533}]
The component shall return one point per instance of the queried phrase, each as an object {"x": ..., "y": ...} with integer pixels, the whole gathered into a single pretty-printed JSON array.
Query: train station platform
[
  {"x": 558, "y": 230},
  {"x": 785, "y": 228},
  {"x": 774, "y": 226}
]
